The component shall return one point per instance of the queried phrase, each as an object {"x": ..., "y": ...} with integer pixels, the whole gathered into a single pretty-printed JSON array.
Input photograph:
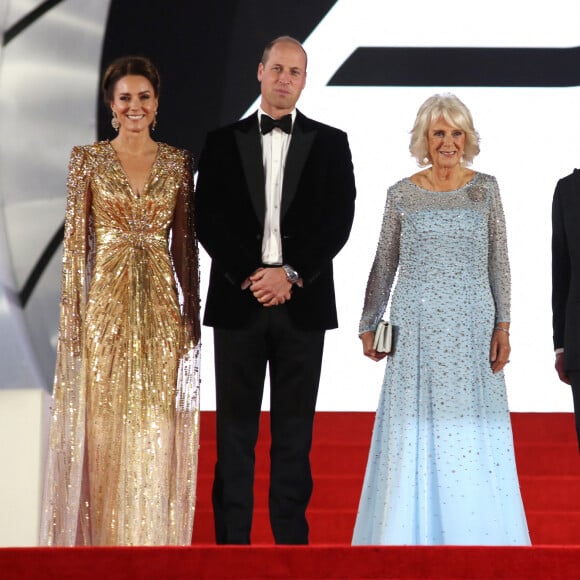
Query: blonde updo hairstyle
[{"x": 454, "y": 112}]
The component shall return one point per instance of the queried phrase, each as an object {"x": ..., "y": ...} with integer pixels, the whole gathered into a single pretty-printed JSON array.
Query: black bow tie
[{"x": 267, "y": 123}]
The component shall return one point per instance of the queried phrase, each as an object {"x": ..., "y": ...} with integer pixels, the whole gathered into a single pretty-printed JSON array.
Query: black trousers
[
  {"x": 294, "y": 359},
  {"x": 574, "y": 377}
]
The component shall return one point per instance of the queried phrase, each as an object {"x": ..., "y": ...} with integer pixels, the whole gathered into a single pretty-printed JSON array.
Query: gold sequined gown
[{"x": 124, "y": 436}]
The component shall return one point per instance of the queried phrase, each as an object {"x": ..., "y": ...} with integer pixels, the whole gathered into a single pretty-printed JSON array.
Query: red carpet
[
  {"x": 549, "y": 468},
  {"x": 268, "y": 562},
  {"x": 546, "y": 453}
]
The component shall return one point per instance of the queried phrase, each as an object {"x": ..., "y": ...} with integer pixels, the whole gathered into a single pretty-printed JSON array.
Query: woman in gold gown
[{"x": 122, "y": 458}]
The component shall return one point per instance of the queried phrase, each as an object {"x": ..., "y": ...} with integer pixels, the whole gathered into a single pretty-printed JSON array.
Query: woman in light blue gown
[{"x": 441, "y": 466}]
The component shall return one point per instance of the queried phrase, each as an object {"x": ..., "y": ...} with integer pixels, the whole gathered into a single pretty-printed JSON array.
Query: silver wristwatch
[{"x": 291, "y": 275}]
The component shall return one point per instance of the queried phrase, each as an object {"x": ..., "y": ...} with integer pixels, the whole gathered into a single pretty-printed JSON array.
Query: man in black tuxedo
[
  {"x": 274, "y": 204},
  {"x": 566, "y": 284}
]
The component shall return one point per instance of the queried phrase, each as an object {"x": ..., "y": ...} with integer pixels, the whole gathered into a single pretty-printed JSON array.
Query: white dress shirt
[{"x": 274, "y": 151}]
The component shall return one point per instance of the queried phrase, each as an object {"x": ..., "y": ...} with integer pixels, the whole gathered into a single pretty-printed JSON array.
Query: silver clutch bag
[{"x": 383, "y": 337}]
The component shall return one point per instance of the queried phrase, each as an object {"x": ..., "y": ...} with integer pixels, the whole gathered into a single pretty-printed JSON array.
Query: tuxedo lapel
[
  {"x": 250, "y": 148},
  {"x": 302, "y": 138}
]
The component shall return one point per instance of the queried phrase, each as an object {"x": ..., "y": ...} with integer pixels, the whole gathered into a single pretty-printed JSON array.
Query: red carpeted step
[
  {"x": 554, "y": 528},
  {"x": 335, "y": 527},
  {"x": 357, "y": 426},
  {"x": 326, "y": 457},
  {"x": 330, "y": 491},
  {"x": 332, "y": 526},
  {"x": 343, "y": 491},
  {"x": 544, "y": 427},
  {"x": 547, "y": 458},
  {"x": 328, "y": 425},
  {"x": 290, "y": 563},
  {"x": 336, "y": 457},
  {"x": 550, "y": 493}
]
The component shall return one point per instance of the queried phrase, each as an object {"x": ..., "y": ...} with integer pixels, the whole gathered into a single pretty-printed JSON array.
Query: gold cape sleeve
[
  {"x": 185, "y": 255},
  {"x": 63, "y": 521}
]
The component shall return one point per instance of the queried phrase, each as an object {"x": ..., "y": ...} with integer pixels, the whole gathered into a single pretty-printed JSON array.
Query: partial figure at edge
[{"x": 565, "y": 289}]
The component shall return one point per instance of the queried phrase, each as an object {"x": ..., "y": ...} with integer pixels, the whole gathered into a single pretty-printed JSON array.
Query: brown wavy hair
[{"x": 129, "y": 65}]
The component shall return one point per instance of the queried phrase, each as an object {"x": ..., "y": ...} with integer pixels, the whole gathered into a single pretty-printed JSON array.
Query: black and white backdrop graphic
[{"x": 371, "y": 64}]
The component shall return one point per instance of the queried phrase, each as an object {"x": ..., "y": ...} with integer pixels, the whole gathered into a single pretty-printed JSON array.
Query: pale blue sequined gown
[{"x": 441, "y": 466}]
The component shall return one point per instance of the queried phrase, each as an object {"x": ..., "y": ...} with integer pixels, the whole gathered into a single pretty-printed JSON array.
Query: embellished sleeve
[
  {"x": 384, "y": 268},
  {"x": 185, "y": 256},
  {"x": 184, "y": 249},
  {"x": 62, "y": 494},
  {"x": 499, "y": 267}
]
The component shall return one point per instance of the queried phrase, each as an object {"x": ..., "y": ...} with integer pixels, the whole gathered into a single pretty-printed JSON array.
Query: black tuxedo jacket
[
  {"x": 566, "y": 268},
  {"x": 316, "y": 217}
]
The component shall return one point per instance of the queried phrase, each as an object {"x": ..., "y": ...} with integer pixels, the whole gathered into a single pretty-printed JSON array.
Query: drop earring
[
  {"x": 154, "y": 124},
  {"x": 115, "y": 122}
]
